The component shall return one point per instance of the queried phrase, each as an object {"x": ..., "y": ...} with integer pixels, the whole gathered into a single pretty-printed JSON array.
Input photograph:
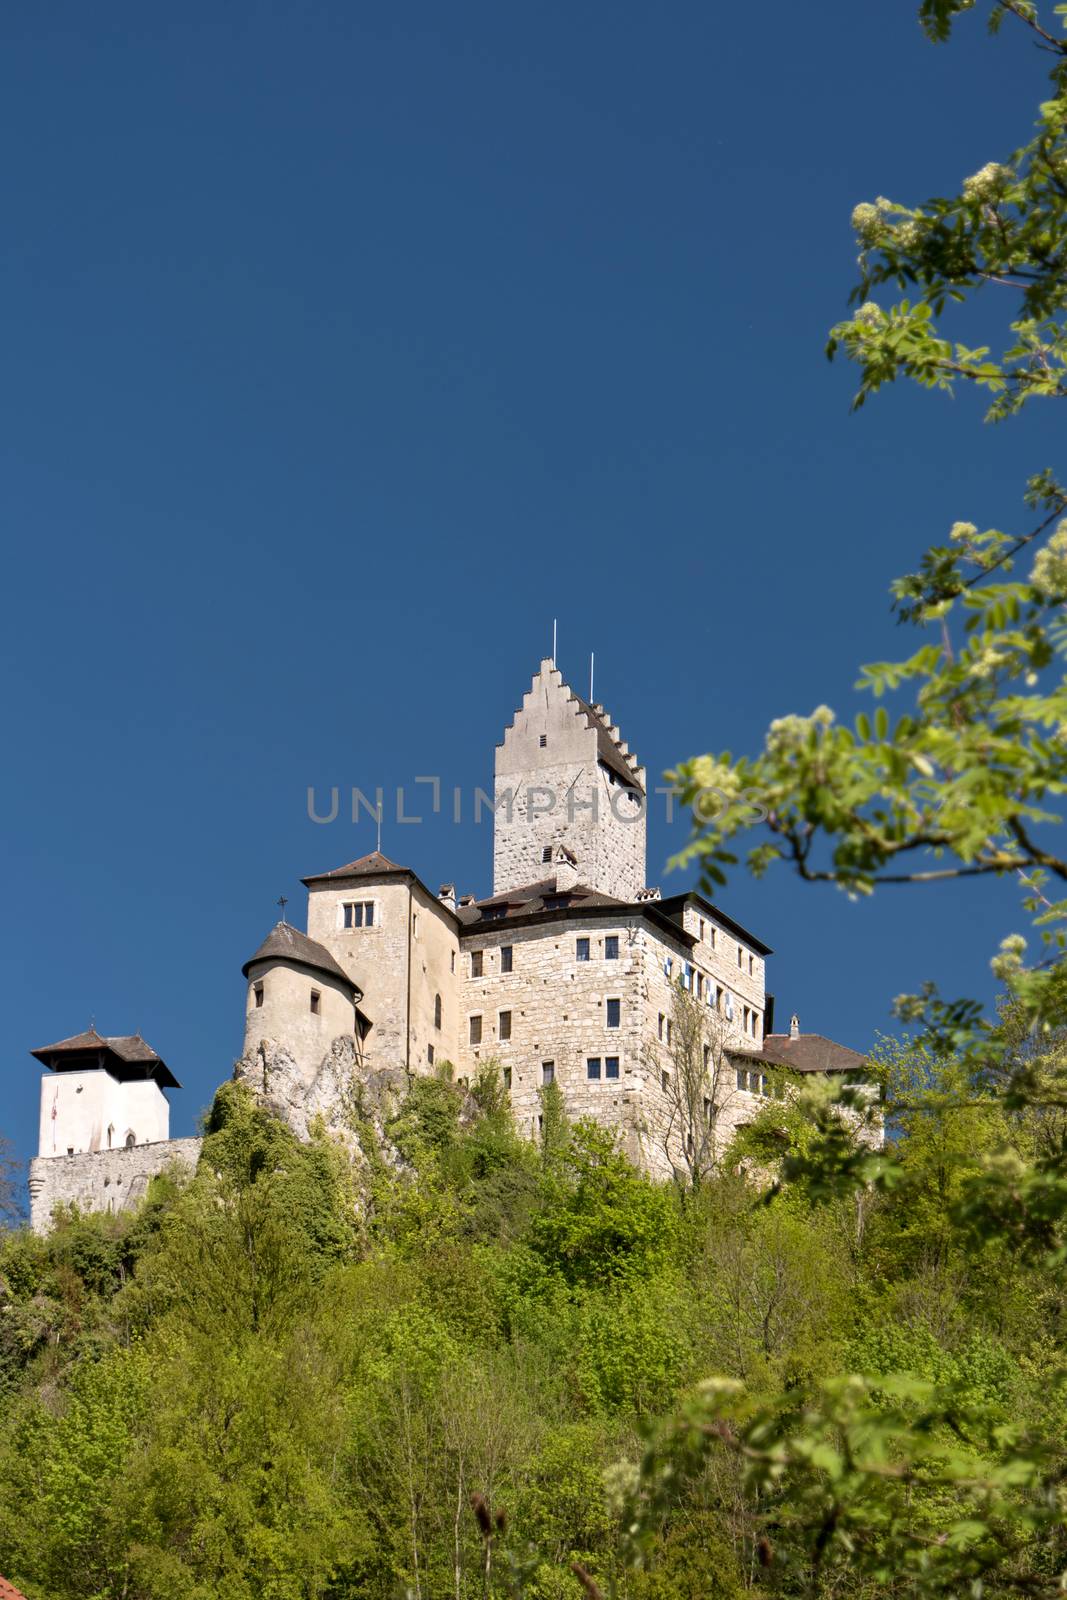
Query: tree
[
  {"x": 697, "y": 1081},
  {"x": 893, "y": 1480},
  {"x": 965, "y": 779},
  {"x": 11, "y": 1210}
]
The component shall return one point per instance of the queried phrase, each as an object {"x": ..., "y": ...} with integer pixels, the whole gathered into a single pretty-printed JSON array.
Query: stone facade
[
  {"x": 306, "y": 1008},
  {"x": 405, "y": 960},
  {"x": 563, "y": 777},
  {"x": 601, "y": 988},
  {"x": 103, "y": 1180}
]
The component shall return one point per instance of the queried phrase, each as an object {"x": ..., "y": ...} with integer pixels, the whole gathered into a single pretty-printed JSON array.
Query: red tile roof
[
  {"x": 807, "y": 1052},
  {"x": 9, "y": 1592}
]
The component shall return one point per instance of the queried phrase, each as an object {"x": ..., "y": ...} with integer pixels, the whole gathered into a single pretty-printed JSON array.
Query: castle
[{"x": 650, "y": 1013}]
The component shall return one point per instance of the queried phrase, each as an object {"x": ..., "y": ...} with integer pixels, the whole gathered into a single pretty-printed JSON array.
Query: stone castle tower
[
  {"x": 569, "y": 973},
  {"x": 569, "y": 796}
]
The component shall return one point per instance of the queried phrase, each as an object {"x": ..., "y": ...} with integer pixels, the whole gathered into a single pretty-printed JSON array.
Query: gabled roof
[
  {"x": 607, "y": 749},
  {"x": 807, "y": 1052},
  {"x": 126, "y": 1049},
  {"x": 286, "y": 943},
  {"x": 371, "y": 865}
]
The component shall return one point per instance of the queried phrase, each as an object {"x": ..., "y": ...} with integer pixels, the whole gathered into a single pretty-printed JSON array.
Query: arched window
[
  {"x": 437, "y": 1010},
  {"x": 131, "y": 1140}
]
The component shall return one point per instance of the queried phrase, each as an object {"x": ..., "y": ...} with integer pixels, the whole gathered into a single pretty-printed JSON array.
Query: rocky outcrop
[{"x": 341, "y": 1096}]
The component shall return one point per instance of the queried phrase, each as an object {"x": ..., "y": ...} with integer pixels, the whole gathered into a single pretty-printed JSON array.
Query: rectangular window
[
  {"x": 611, "y": 947},
  {"x": 543, "y": 740},
  {"x": 453, "y": 961},
  {"x": 668, "y": 966},
  {"x": 476, "y": 1030},
  {"x": 316, "y": 1001},
  {"x": 664, "y": 1081},
  {"x": 592, "y": 1067},
  {"x": 744, "y": 1019},
  {"x": 504, "y": 1025},
  {"x": 707, "y": 1109},
  {"x": 257, "y": 990},
  {"x": 583, "y": 950},
  {"x": 739, "y": 955},
  {"x": 742, "y": 1079},
  {"x": 548, "y": 1072},
  {"x": 751, "y": 964},
  {"x": 713, "y": 938},
  {"x": 507, "y": 1078},
  {"x": 358, "y": 913},
  {"x": 670, "y": 1030},
  {"x": 702, "y": 927},
  {"x": 429, "y": 1054},
  {"x": 611, "y": 1066},
  {"x": 546, "y": 854},
  {"x": 614, "y": 1013},
  {"x": 505, "y": 957},
  {"x": 477, "y": 958},
  {"x": 659, "y": 1026},
  {"x": 699, "y": 985},
  {"x": 707, "y": 1057}
]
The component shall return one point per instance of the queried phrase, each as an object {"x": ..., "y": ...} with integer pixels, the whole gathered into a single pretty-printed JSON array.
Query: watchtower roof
[
  {"x": 125, "y": 1056},
  {"x": 286, "y": 943}
]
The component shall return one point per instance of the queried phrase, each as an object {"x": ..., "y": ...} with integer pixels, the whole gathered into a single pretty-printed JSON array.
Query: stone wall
[
  {"x": 105, "y": 1180},
  {"x": 402, "y": 963},
  {"x": 558, "y": 1014}
]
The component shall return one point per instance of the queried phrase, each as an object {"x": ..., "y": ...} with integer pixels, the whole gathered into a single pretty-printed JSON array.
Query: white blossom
[
  {"x": 1049, "y": 571},
  {"x": 870, "y": 315},
  {"x": 1009, "y": 960},
  {"x": 987, "y": 184}
]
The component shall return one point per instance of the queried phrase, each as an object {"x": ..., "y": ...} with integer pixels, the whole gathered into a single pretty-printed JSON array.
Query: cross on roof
[{"x": 283, "y": 902}]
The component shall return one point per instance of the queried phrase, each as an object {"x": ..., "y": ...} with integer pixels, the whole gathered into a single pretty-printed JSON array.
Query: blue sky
[{"x": 344, "y": 348}]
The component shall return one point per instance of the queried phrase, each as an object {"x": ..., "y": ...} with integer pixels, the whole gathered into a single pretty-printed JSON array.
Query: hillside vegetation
[{"x": 467, "y": 1364}]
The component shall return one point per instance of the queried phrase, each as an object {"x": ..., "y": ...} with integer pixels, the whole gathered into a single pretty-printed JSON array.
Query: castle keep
[{"x": 651, "y": 1014}]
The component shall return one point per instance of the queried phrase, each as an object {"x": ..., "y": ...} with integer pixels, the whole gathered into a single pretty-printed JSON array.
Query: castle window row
[
  {"x": 612, "y": 1020},
  {"x": 758, "y": 1083},
  {"x": 596, "y": 1068},
  {"x": 583, "y": 948},
  {"x": 507, "y": 961}
]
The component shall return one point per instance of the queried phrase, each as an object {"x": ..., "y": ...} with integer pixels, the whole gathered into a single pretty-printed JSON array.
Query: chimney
[
  {"x": 566, "y": 870},
  {"x": 794, "y": 1026},
  {"x": 466, "y": 900},
  {"x": 447, "y": 895},
  {"x": 650, "y": 892}
]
